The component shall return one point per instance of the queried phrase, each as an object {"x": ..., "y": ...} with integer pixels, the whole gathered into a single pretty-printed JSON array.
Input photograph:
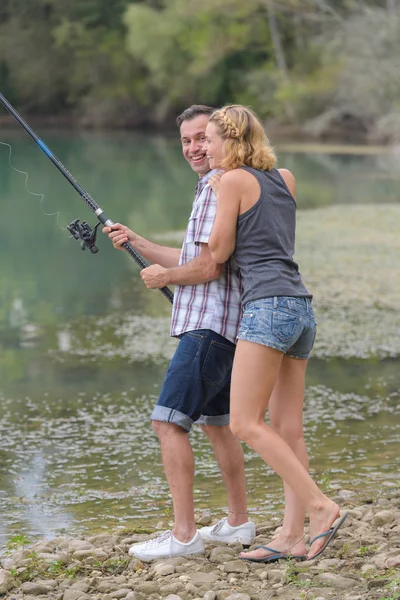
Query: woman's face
[{"x": 214, "y": 146}]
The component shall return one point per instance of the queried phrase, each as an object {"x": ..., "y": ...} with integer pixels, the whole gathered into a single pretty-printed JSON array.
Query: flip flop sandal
[
  {"x": 329, "y": 535},
  {"x": 275, "y": 556}
]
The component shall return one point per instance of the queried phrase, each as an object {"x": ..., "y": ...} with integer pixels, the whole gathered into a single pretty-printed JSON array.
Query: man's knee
[
  {"x": 216, "y": 432},
  {"x": 164, "y": 429}
]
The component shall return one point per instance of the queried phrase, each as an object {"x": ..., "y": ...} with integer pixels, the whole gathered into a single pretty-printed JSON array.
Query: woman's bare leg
[
  {"x": 286, "y": 418},
  {"x": 255, "y": 373}
]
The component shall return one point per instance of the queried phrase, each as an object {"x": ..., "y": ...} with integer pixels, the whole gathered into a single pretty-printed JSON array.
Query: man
[{"x": 205, "y": 316}]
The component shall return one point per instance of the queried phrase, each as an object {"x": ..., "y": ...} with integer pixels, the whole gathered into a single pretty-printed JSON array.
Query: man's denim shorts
[
  {"x": 281, "y": 322},
  {"x": 197, "y": 383}
]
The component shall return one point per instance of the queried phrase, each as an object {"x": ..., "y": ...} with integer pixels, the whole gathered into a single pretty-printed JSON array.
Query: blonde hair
[{"x": 245, "y": 141}]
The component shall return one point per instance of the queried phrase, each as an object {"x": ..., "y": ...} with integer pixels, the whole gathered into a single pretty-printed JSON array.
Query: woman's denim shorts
[{"x": 281, "y": 322}]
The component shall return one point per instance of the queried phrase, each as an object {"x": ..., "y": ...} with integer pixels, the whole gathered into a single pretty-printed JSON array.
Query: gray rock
[
  {"x": 336, "y": 581},
  {"x": 121, "y": 593},
  {"x": 46, "y": 547},
  {"x": 75, "y": 595},
  {"x": 328, "y": 563},
  {"x": 392, "y": 561},
  {"x": 276, "y": 576},
  {"x": 236, "y": 566},
  {"x": 147, "y": 587},
  {"x": 238, "y": 596},
  {"x": 191, "y": 589},
  {"x": 223, "y": 552},
  {"x": 75, "y": 545},
  {"x": 52, "y": 583},
  {"x": 36, "y": 588},
  {"x": 173, "y": 597},
  {"x": 7, "y": 581},
  {"x": 383, "y": 517},
  {"x": 198, "y": 578},
  {"x": 204, "y": 519},
  {"x": 106, "y": 586},
  {"x": 210, "y": 595},
  {"x": 83, "y": 554},
  {"x": 175, "y": 587},
  {"x": 164, "y": 569}
]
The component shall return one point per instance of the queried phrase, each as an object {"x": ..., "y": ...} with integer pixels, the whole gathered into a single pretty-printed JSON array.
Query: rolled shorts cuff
[
  {"x": 217, "y": 420},
  {"x": 299, "y": 356},
  {"x": 170, "y": 415}
]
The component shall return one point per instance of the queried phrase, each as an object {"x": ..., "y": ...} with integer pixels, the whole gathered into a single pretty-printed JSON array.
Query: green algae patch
[{"x": 350, "y": 260}]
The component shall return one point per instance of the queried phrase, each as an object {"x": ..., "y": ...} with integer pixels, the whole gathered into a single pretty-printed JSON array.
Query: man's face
[{"x": 192, "y": 139}]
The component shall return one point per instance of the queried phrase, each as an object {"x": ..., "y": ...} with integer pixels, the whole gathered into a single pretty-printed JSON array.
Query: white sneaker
[
  {"x": 223, "y": 532},
  {"x": 165, "y": 546}
]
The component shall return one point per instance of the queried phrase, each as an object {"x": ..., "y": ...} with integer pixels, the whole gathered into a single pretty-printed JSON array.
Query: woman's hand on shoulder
[
  {"x": 214, "y": 181},
  {"x": 290, "y": 181}
]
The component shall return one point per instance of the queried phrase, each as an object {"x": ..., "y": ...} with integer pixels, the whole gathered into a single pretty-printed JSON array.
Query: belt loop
[
  {"x": 275, "y": 301},
  {"x": 308, "y": 304}
]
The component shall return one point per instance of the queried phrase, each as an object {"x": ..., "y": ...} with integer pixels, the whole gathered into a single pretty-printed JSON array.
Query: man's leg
[
  {"x": 229, "y": 454},
  {"x": 177, "y": 457},
  {"x": 179, "y": 404}
]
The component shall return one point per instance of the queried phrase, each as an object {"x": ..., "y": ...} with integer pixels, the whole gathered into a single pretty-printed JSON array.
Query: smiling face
[
  {"x": 192, "y": 138},
  {"x": 214, "y": 146}
]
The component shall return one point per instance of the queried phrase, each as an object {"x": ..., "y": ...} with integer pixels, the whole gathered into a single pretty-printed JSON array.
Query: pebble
[{"x": 218, "y": 574}]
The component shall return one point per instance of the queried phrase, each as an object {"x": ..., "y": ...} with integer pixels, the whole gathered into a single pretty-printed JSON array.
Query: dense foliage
[{"x": 314, "y": 63}]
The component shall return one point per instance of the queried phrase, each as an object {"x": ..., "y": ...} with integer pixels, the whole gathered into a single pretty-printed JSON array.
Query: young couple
[{"x": 246, "y": 329}]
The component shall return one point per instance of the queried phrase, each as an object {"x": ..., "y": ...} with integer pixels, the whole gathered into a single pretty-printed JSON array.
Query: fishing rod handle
[
  {"x": 131, "y": 250},
  {"x": 138, "y": 258}
]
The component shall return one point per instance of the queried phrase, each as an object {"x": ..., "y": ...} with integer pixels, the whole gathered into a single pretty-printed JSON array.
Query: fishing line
[
  {"x": 81, "y": 231},
  {"x": 41, "y": 196}
]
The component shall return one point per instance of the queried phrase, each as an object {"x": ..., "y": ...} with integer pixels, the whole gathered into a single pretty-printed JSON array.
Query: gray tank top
[{"x": 265, "y": 242}]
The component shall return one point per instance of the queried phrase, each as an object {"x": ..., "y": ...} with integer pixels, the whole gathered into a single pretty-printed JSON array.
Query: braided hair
[{"x": 246, "y": 143}]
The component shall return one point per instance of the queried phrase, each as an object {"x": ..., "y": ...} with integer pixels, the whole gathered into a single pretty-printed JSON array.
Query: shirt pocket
[{"x": 191, "y": 230}]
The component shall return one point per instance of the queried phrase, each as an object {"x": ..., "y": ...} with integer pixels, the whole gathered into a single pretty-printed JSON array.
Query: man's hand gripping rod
[{"x": 80, "y": 230}]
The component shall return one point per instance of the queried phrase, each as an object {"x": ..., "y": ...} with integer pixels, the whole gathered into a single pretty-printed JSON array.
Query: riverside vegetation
[{"x": 319, "y": 68}]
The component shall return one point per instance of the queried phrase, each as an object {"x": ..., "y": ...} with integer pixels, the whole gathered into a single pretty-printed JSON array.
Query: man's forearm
[
  {"x": 156, "y": 254},
  {"x": 194, "y": 272}
]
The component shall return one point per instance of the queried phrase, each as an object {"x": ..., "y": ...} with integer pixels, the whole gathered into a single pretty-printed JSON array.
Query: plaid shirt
[{"x": 214, "y": 305}]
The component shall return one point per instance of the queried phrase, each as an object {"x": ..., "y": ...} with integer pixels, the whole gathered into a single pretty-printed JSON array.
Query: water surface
[{"x": 77, "y": 453}]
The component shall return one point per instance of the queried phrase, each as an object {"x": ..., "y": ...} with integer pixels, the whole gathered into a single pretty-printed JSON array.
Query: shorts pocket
[
  {"x": 286, "y": 325},
  {"x": 217, "y": 364}
]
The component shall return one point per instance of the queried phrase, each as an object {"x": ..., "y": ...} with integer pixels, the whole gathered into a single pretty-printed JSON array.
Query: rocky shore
[{"x": 362, "y": 563}]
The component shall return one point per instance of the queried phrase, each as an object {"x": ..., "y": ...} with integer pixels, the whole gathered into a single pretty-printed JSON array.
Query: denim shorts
[
  {"x": 281, "y": 322},
  {"x": 197, "y": 383}
]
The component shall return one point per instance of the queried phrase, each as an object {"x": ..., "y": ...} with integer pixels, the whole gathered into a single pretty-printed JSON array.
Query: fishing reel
[{"x": 87, "y": 236}]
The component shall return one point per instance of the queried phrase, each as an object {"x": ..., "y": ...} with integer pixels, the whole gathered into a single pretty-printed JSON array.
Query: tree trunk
[{"x": 276, "y": 38}]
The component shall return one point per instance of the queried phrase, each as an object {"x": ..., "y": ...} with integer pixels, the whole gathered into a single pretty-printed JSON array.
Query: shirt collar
[{"x": 204, "y": 180}]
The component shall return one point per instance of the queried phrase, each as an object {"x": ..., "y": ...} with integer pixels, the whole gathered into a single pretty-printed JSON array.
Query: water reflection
[
  {"x": 84, "y": 347},
  {"x": 80, "y": 453}
]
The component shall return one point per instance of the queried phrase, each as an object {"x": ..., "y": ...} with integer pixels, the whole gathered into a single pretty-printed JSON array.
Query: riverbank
[
  {"x": 347, "y": 255},
  {"x": 289, "y": 132},
  {"x": 362, "y": 563}
]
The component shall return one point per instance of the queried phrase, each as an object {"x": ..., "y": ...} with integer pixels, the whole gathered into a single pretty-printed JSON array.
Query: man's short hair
[{"x": 194, "y": 111}]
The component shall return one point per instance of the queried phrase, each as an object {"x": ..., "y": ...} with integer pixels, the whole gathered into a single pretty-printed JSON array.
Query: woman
[{"x": 255, "y": 222}]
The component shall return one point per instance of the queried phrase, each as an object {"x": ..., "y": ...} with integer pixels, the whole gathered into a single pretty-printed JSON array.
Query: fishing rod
[{"x": 81, "y": 231}]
